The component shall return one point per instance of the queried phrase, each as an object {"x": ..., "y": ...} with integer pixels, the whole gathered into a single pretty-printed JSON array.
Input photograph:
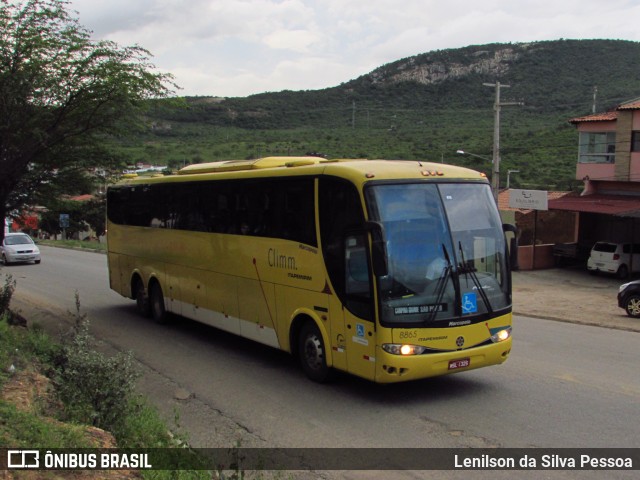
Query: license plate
[
  {"x": 461, "y": 363},
  {"x": 600, "y": 264}
]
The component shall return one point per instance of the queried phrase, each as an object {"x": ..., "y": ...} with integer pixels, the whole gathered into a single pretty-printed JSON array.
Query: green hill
[{"x": 422, "y": 107}]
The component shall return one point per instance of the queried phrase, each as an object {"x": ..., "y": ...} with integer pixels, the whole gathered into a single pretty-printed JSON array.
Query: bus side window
[
  {"x": 357, "y": 278},
  {"x": 356, "y": 268},
  {"x": 298, "y": 221}
]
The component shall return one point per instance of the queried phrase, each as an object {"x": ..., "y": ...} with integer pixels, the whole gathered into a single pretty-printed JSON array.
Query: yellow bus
[{"x": 388, "y": 270}]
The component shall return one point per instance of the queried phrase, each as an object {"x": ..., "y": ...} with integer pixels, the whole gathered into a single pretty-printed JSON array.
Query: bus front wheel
[
  {"x": 156, "y": 300},
  {"x": 312, "y": 353}
]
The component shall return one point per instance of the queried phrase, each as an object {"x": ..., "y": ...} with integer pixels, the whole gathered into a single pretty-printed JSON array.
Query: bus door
[
  {"x": 344, "y": 250},
  {"x": 358, "y": 309}
]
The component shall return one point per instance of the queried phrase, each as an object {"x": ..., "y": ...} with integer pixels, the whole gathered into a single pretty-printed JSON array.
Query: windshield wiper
[
  {"x": 441, "y": 285},
  {"x": 471, "y": 271}
]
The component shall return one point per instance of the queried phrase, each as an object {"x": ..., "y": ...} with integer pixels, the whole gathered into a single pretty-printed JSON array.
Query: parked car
[
  {"x": 19, "y": 247},
  {"x": 616, "y": 258},
  {"x": 629, "y": 298}
]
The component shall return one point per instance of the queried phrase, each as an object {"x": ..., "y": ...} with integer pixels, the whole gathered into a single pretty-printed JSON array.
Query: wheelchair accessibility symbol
[{"x": 469, "y": 303}]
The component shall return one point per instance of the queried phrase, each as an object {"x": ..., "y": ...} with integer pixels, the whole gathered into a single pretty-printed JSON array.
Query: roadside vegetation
[
  {"x": 75, "y": 244},
  {"x": 388, "y": 114},
  {"x": 63, "y": 393}
]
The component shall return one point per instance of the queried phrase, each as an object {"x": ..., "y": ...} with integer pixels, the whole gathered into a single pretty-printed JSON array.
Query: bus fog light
[
  {"x": 403, "y": 349},
  {"x": 501, "y": 336}
]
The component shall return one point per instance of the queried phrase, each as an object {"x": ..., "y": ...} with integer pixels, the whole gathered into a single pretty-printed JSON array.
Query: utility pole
[
  {"x": 495, "y": 177},
  {"x": 353, "y": 114}
]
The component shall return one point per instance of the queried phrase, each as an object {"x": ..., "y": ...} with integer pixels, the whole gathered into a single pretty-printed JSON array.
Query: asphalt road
[{"x": 565, "y": 385}]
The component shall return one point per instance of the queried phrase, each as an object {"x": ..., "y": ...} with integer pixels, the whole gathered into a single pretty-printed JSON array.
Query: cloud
[
  {"x": 294, "y": 40},
  {"x": 241, "y": 47}
]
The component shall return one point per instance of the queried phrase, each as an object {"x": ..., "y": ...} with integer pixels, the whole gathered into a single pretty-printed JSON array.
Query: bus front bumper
[{"x": 398, "y": 368}]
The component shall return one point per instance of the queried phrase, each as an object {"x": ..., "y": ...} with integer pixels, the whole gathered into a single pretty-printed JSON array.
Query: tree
[
  {"x": 94, "y": 213},
  {"x": 50, "y": 219},
  {"x": 82, "y": 215},
  {"x": 62, "y": 95}
]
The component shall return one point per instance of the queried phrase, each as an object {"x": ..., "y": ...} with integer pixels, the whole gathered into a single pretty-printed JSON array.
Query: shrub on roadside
[
  {"x": 145, "y": 428},
  {"x": 96, "y": 389},
  {"x": 6, "y": 292},
  {"x": 22, "y": 346}
]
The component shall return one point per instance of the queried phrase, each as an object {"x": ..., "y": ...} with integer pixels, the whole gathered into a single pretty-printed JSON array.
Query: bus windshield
[{"x": 445, "y": 253}]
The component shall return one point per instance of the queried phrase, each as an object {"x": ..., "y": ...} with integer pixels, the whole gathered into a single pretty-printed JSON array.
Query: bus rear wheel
[
  {"x": 142, "y": 301},
  {"x": 312, "y": 353},
  {"x": 156, "y": 301}
]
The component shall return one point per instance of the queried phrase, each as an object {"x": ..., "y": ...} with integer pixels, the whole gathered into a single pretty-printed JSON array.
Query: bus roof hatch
[{"x": 237, "y": 165}]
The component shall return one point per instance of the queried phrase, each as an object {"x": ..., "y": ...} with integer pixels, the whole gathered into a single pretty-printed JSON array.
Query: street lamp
[
  {"x": 495, "y": 185},
  {"x": 509, "y": 172},
  {"x": 462, "y": 152}
]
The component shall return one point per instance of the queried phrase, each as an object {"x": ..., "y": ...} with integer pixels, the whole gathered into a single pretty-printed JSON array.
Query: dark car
[{"x": 629, "y": 298}]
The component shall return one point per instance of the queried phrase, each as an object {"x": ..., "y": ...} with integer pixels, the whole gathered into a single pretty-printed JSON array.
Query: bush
[
  {"x": 93, "y": 389},
  {"x": 6, "y": 292},
  {"x": 145, "y": 428},
  {"x": 96, "y": 389}
]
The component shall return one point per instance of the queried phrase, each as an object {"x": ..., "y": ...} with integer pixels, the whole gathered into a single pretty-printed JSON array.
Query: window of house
[
  {"x": 635, "y": 141},
  {"x": 597, "y": 147}
]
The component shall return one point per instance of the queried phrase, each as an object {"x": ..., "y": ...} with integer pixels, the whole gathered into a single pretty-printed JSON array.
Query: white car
[
  {"x": 19, "y": 247},
  {"x": 619, "y": 259}
]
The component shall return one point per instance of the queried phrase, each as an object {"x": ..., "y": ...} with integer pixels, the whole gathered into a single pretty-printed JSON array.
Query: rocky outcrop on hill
[{"x": 435, "y": 68}]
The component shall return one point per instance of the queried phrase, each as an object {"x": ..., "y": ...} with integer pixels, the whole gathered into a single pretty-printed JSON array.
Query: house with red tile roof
[
  {"x": 609, "y": 165},
  {"x": 609, "y": 148}
]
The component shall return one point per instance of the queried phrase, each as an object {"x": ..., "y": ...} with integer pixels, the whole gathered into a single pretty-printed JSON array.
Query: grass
[
  {"x": 20, "y": 429},
  {"x": 76, "y": 244},
  {"x": 40, "y": 409}
]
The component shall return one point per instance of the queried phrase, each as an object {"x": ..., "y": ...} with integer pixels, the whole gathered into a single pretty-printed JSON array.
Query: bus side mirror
[
  {"x": 513, "y": 245},
  {"x": 378, "y": 249}
]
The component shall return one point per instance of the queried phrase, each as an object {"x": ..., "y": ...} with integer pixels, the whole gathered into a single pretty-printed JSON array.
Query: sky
[{"x": 236, "y": 48}]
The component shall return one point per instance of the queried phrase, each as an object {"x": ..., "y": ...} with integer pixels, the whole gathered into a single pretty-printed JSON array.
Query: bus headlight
[
  {"x": 403, "y": 349},
  {"x": 501, "y": 336}
]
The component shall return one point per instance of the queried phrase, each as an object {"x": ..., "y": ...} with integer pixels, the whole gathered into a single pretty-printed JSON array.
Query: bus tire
[
  {"x": 156, "y": 301},
  {"x": 142, "y": 300},
  {"x": 312, "y": 353}
]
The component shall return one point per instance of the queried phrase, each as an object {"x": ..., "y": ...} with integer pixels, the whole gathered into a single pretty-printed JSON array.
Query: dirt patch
[
  {"x": 27, "y": 390},
  {"x": 31, "y": 392},
  {"x": 570, "y": 295}
]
